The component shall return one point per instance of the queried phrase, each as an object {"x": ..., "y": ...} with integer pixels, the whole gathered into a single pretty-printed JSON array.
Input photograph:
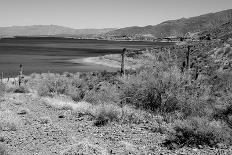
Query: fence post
[
  {"x": 188, "y": 58},
  {"x": 2, "y": 78},
  {"x": 123, "y": 62},
  {"x": 20, "y": 74}
]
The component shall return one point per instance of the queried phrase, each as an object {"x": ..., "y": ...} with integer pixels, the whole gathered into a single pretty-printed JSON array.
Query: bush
[
  {"x": 17, "y": 89},
  {"x": 68, "y": 85},
  {"x": 149, "y": 88},
  {"x": 104, "y": 92},
  {"x": 140, "y": 93},
  {"x": 2, "y": 89},
  {"x": 197, "y": 131},
  {"x": 21, "y": 89},
  {"x": 105, "y": 113}
]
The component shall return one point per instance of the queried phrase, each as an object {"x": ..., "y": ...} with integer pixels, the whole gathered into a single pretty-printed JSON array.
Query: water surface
[{"x": 52, "y": 54}]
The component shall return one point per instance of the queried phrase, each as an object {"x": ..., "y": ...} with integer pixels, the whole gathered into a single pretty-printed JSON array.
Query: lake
[{"x": 53, "y": 54}]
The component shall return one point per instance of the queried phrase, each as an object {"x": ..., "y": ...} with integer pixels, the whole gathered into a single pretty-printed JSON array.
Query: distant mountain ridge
[
  {"x": 50, "y": 30},
  {"x": 213, "y": 23},
  {"x": 178, "y": 27}
]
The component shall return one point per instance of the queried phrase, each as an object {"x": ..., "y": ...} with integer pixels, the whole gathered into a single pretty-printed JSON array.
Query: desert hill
[{"x": 178, "y": 27}]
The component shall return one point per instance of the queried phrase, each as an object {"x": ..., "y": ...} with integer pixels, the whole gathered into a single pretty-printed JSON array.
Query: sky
[{"x": 103, "y": 13}]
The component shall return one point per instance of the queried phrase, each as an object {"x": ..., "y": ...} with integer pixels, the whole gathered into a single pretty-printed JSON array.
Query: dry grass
[{"x": 102, "y": 113}]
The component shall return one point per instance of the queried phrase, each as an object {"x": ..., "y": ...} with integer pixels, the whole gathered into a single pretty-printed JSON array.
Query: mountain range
[
  {"x": 216, "y": 24},
  {"x": 50, "y": 30}
]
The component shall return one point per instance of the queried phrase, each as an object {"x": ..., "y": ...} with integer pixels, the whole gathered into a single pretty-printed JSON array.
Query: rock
[
  {"x": 61, "y": 116},
  {"x": 23, "y": 111}
]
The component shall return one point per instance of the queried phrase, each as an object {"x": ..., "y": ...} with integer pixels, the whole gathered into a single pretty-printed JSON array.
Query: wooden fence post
[
  {"x": 188, "y": 58},
  {"x": 123, "y": 62},
  {"x": 20, "y": 74},
  {"x": 2, "y": 78}
]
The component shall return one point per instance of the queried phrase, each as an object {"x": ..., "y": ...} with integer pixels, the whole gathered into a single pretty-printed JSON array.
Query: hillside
[
  {"x": 223, "y": 31},
  {"x": 49, "y": 30},
  {"x": 177, "y": 27}
]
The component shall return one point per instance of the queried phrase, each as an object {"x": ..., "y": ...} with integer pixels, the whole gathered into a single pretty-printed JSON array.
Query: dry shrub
[
  {"x": 2, "y": 89},
  {"x": 18, "y": 89},
  {"x": 62, "y": 84},
  {"x": 103, "y": 92},
  {"x": 197, "y": 131},
  {"x": 105, "y": 113},
  {"x": 149, "y": 88},
  {"x": 140, "y": 93}
]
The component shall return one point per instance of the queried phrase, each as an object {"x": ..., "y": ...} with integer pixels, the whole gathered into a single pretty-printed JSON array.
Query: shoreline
[{"x": 103, "y": 61}]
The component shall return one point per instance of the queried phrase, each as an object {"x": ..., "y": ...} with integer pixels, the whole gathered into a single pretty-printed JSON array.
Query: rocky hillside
[
  {"x": 223, "y": 31},
  {"x": 49, "y": 30},
  {"x": 178, "y": 27}
]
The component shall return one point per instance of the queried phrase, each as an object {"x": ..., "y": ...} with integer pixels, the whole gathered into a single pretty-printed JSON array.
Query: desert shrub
[
  {"x": 2, "y": 89},
  {"x": 56, "y": 84},
  {"x": 105, "y": 113},
  {"x": 17, "y": 89},
  {"x": 104, "y": 92},
  {"x": 149, "y": 88},
  {"x": 197, "y": 131},
  {"x": 43, "y": 89},
  {"x": 21, "y": 89},
  {"x": 140, "y": 93}
]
